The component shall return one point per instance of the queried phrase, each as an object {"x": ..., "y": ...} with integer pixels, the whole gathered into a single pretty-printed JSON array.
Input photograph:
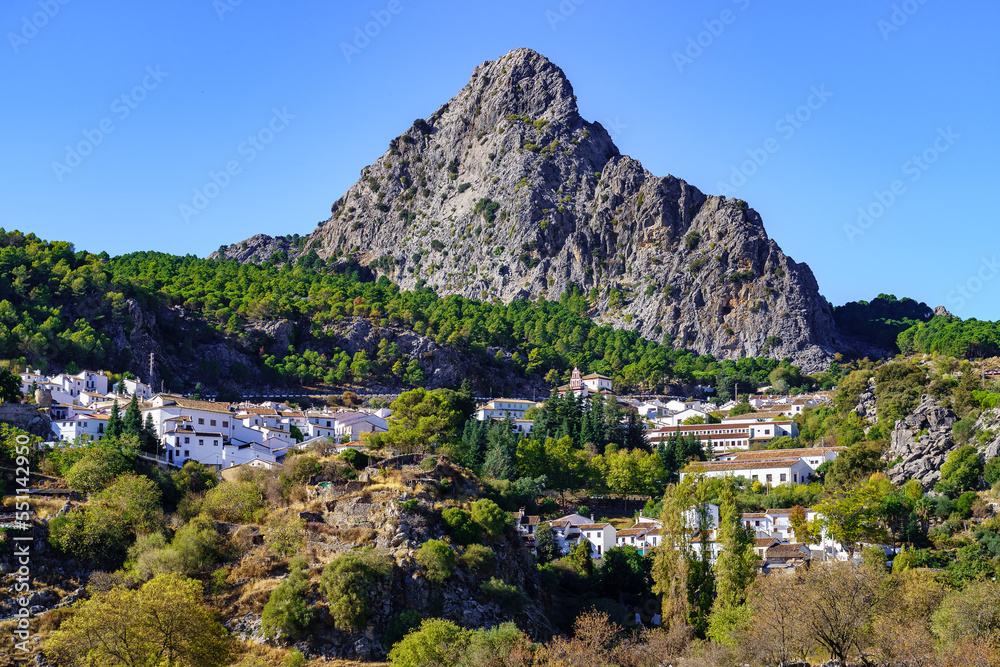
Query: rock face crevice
[{"x": 506, "y": 193}]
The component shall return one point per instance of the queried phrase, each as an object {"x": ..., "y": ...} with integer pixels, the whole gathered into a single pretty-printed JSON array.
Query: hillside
[{"x": 507, "y": 192}]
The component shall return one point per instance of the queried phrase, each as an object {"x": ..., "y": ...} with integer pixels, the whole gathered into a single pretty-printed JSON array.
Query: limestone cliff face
[
  {"x": 506, "y": 192},
  {"x": 921, "y": 443}
]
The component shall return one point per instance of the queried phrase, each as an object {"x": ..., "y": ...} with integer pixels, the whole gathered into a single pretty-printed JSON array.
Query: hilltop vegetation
[{"x": 72, "y": 309}]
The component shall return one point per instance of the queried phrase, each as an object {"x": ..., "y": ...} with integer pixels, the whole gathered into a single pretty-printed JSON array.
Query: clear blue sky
[{"x": 199, "y": 77}]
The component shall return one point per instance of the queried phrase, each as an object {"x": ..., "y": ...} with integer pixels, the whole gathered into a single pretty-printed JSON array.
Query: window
[
  {"x": 328, "y": 424},
  {"x": 212, "y": 422},
  {"x": 784, "y": 477},
  {"x": 201, "y": 420},
  {"x": 201, "y": 442},
  {"x": 225, "y": 424},
  {"x": 795, "y": 478},
  {"x": 215, "y": 443},
  {"x": 769, "y": 478},
  {"x": 754, "y": 477},
  {"x": 187, "y": 454},
  {"x": 187, "y": 440}
]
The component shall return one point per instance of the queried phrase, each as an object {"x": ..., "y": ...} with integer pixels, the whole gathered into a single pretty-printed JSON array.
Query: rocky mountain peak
[
  {"x": 522, "y": 82},
  {"x": 506, "y": 192}
]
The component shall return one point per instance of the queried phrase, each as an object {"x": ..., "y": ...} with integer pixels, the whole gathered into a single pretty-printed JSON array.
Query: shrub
[
  {"x": 488, "y": 514},
  {"x": 235, "y": 502},
  {"x": 284, "y": 535},
  {"x": 286, "y": 612},
  {"x": 428, "y": 463},
  {"x": 991, "y": 473},
  {"x": 399, "y": 626},
  {"x": 295, "y": 659},
  {"x": 960, "y": 472},
  {"x": 437, "y": 643},
  {"x": 410, "y": 505},
  {"x": 438, "y": 559},
  {"x": 355, "y": 459},
  {"x": 460, "y": 525},
  {"x": 963, "y": 505},
  {"x": 354, "y": 583},
  {"x": 479, "y": 559},
  {"x": 510, "y": 598},
  {"x": 691, "y": 240}
]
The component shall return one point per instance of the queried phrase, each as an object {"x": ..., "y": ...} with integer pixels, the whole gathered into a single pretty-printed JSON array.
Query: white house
[
  {"x": 601, "y": 537},
  {"x": 814, "y": 457},
  {"x": 138, "y": 389},
  {"x": 71, "y": 428},
  {"x": 184, "y": 442},
  {"x": 353, "y": 424},
  {"x": 768, "y": 472},
  {"x": 597, "y": 383},
  {"x": 203, "y": 415},
  {"x": 501, "y": 408},
  {"x": 678, "y": 405}
]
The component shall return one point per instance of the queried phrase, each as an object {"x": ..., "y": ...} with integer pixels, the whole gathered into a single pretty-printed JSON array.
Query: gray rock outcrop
[
  {"x": 506, "y": 192},
  {"x": 989, "y": 422},
  {"x": 866, "y": 405},
  {"x": 921, "y": 443}
]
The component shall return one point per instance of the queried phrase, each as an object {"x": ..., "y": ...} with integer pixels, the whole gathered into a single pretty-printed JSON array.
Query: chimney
[{"x": 591, "y": 518}]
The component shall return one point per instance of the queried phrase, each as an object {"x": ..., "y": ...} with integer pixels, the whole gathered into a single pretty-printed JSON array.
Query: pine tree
[
  {"x": 132, "y": 422},
  {"x": 635, "y": 434},
  {"x": 149, "y": 437},
  {"x": 114, "y": 427}
]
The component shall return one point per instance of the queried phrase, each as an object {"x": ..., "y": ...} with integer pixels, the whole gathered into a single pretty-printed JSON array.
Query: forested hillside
[{"x": 226, "y": 325}]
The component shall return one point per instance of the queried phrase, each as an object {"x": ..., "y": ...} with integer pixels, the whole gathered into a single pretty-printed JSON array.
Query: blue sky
[{"x": 808, "y": 112}]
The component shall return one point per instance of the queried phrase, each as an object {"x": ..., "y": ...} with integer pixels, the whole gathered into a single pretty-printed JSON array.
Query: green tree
[
  {"x": 166, "y": 622},
  {"x": 854, "y": 465},
  {"x": 10, "y": 387},
  {"x": 546, "y": 547},
  {"x": 114, "y": 429},
  {"x": 856, "y": 516},
  {"x": 736, "y": 564},
  {"x": 490, "y": 517},
  {"x": 961, "y": 472},
  {"x": 361, "y": 366},
  {"x": 438, "y": 559},
  {"x": 132, "y": 422},
  {"x": 421, "y": 420},
  {"x": 436, "y": 643},
  {"x": 240, "y": 502},
  {"x": 354, "y": 584},
  {"x": 460, "y": 525},
  {"x": 286, "y": 612}
]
